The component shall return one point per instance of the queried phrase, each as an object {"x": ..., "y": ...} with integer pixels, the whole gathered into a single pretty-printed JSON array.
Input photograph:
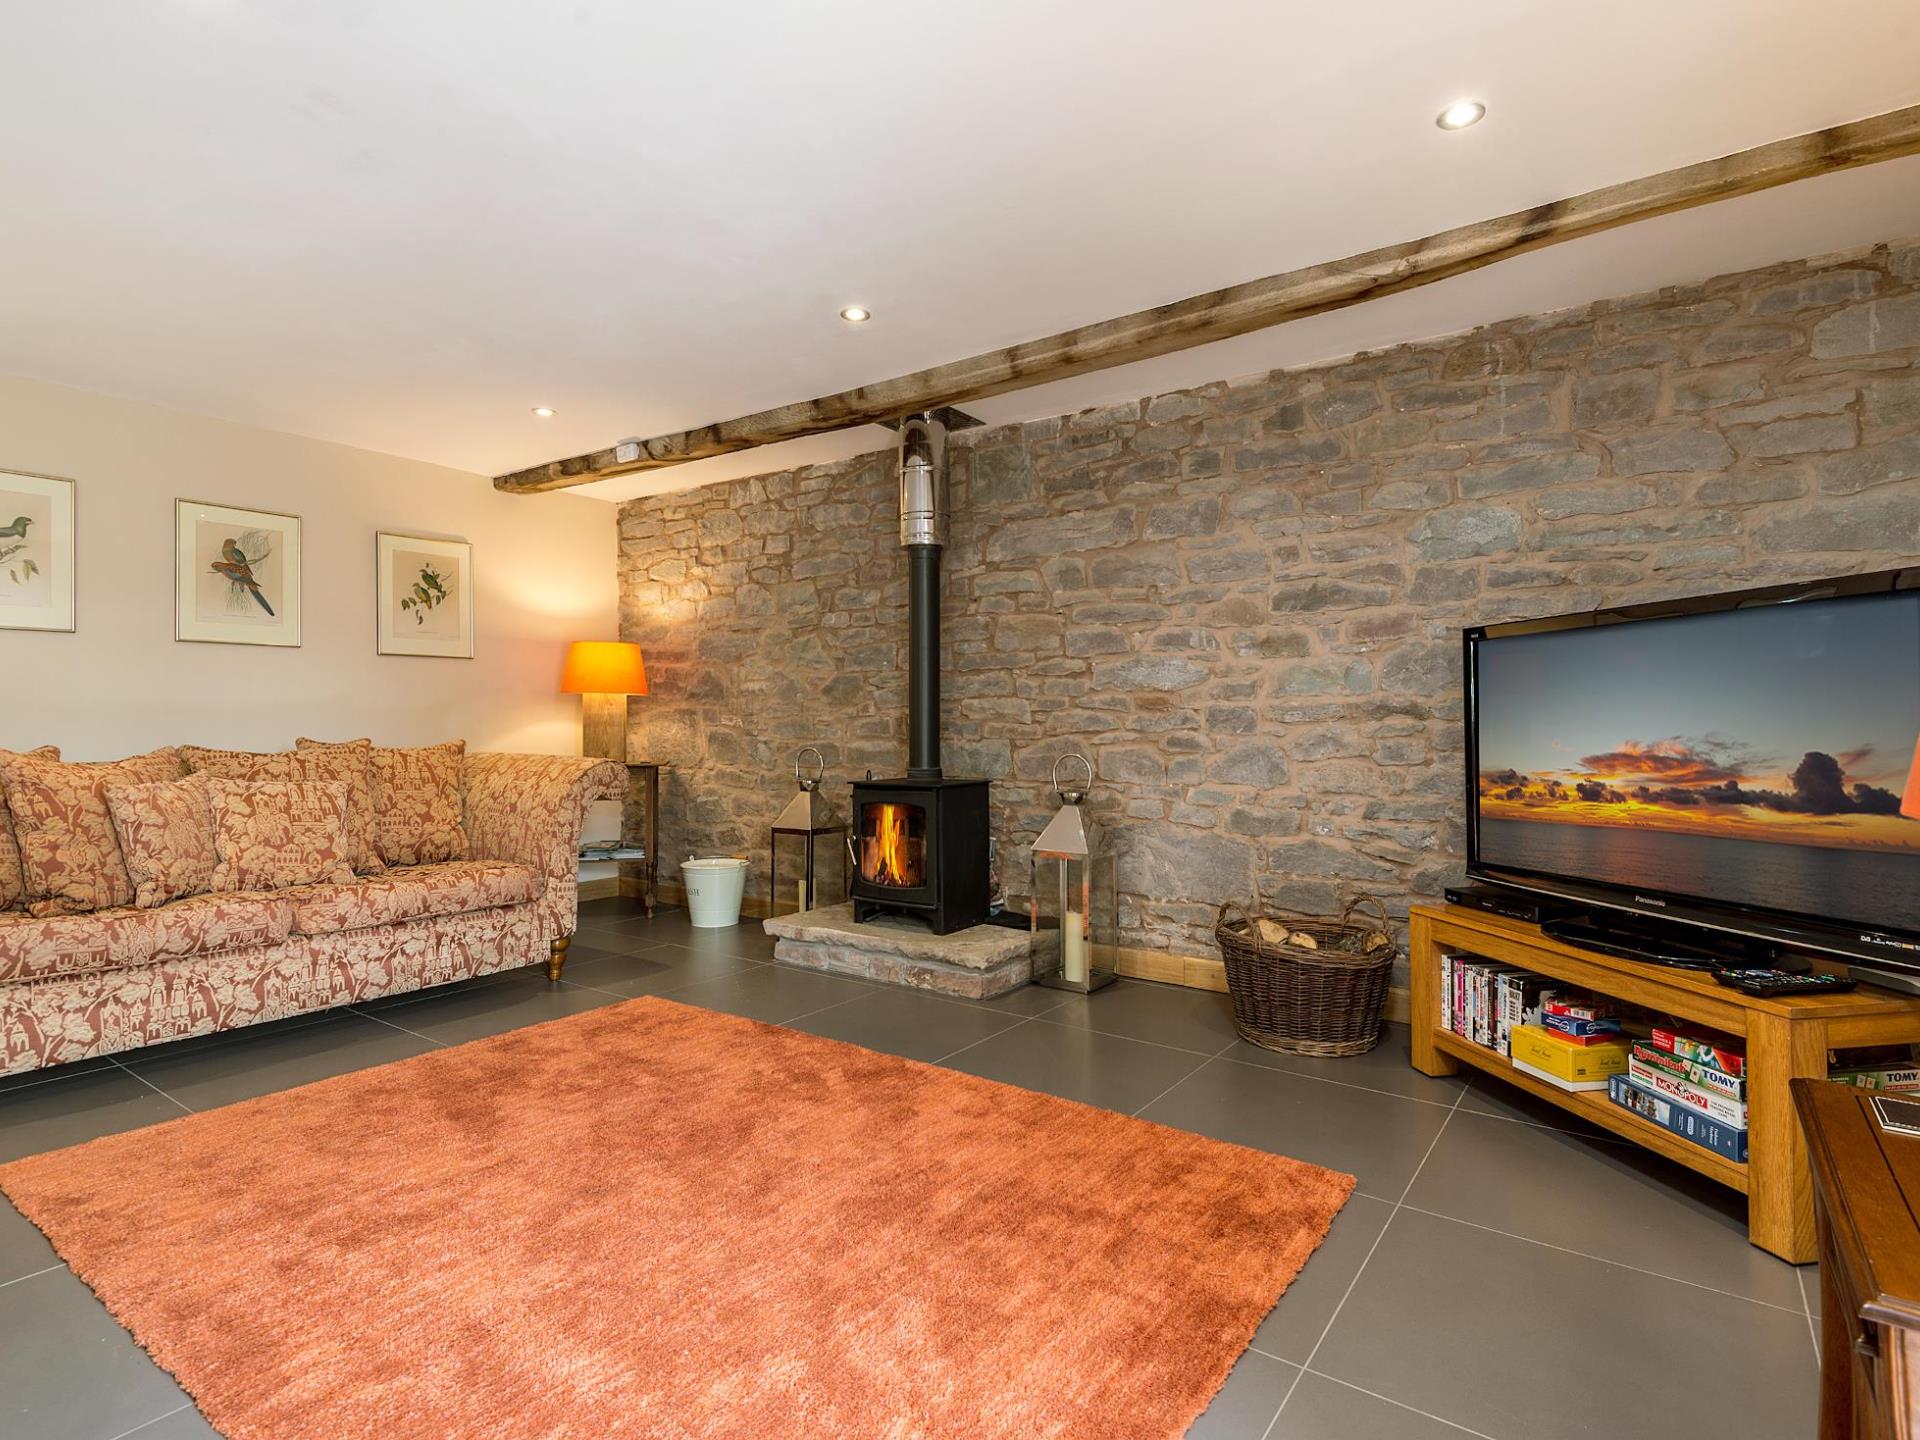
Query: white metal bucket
[{"x": 714, "y": 888}]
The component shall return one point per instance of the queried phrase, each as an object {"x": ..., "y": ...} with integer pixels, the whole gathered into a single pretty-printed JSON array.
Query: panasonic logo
[{"x": 1649, "y": 900}]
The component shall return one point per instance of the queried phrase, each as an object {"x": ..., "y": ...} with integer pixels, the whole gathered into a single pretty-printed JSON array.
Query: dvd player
[{"x": 1512, "y": 904}]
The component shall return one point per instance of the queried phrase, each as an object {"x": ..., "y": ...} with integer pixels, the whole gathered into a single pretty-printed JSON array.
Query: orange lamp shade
[{"x": 603, "y": 667}]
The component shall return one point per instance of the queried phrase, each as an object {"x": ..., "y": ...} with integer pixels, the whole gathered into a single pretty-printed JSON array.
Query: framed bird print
[
  {"x": 425, "y": 600},
  {"x": 236, "y": 575},
  {"x": 36, "y": 552}
]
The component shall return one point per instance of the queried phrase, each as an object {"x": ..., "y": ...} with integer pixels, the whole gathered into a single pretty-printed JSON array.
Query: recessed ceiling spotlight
[
  {"x": 545, "y": 412},
  {"x": 1460, "y": 114},
  {"x": 855, "y": 314}
]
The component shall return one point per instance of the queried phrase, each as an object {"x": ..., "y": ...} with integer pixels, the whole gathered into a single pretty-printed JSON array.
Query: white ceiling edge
[{"x": 1809, "y": 219}]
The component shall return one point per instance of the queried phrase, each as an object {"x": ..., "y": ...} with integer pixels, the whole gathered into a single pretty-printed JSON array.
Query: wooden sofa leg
[{"x": 557, "y": 956}]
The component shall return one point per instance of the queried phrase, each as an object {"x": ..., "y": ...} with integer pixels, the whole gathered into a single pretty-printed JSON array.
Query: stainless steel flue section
[
  {"x": 923, "y": 481},
  {"x": 923, "y": 530}
]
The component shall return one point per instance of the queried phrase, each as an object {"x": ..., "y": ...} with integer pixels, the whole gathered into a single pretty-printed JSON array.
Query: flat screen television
[{"x": 1739, "y": 763}]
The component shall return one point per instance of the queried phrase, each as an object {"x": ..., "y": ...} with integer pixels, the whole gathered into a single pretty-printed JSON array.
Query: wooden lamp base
[{"x": 603, "y": 726}]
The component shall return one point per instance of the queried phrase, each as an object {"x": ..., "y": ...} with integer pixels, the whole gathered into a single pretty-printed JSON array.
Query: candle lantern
[
  {"x": 806, "y": 818},
  {"x": 1074, "y": 907}
]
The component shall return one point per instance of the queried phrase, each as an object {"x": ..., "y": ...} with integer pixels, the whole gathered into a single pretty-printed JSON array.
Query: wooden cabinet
[
  {"x": 1786, "y": 1038},
  {"x": 1866, "y": 1186}
]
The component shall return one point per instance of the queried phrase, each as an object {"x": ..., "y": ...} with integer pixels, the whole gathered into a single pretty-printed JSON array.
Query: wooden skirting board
[{"x": 1196, "y": 972}]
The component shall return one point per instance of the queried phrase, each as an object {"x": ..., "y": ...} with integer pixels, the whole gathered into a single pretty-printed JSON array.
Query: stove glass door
[{"x": 893, "y": 844}]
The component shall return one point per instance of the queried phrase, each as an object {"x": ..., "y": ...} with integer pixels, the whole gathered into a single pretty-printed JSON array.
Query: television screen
[{"x": 1753, "y": 757}]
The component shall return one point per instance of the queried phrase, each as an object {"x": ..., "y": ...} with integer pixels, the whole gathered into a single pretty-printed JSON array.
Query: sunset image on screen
[{"x": 1759, "y": 756}]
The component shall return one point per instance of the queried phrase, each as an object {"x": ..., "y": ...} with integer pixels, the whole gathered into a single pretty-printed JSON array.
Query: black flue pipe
[{"x": 923, "y": 662}]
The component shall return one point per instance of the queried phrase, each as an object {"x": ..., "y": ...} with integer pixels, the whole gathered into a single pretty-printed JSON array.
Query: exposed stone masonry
[{"x": 1244, "y": 600}]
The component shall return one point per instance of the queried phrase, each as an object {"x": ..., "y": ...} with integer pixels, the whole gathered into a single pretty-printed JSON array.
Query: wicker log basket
[{"x": 1308, "y": 984}]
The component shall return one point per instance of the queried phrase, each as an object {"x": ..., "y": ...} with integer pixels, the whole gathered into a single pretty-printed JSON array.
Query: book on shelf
[
  {"x": 1719, "y": 1054},
  {"x": 1709, "y": 1134},
  {"x": 1521, "y": 994},
  {"x": 1541, "y": 1049},
  {"x": 1734, "y": 1087},
  {"x": 1664, "y": 1083},
  {"x": 1482, "y": 1000}
]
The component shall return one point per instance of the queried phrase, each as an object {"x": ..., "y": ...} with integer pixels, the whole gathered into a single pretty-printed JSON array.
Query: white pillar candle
[
  {"x": 801, "y": 888},
  {"x": 1073, "y": 953}
]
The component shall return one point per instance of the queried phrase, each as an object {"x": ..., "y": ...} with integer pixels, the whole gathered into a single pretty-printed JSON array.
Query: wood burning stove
[
  {"x": 919, "y": 843},
  {"x": 920, "y": 848}
]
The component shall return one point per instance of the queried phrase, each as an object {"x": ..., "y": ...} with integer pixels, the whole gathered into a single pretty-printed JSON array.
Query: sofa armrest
[{"x": 529, "y": 809}]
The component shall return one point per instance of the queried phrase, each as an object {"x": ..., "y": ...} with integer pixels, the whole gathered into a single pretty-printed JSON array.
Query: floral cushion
[
  {"x": 165, "y": 829},
  {"x": 416, "y": 800},
  {"x": 69, "y": 855},
  {"x": 271, "y": 834},
  {"x": 33, "y": 949},
  {"x": 350, "y": 765},
  {"x": 13, "y": 887},
  {"x": 412, "y": 892}
]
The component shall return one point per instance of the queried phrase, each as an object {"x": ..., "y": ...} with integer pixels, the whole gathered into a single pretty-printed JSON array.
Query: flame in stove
[{"x": 890, "y": 865}]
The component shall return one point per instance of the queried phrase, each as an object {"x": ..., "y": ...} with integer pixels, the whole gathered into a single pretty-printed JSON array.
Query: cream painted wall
[{"x": 544, "y": 566}]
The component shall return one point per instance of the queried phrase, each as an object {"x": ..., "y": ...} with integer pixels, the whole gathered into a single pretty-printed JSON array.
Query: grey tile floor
[{"x": 1501, "y": 1271}]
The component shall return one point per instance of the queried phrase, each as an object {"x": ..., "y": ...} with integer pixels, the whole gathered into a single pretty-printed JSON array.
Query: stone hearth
[{"x": 976, "y": 963}]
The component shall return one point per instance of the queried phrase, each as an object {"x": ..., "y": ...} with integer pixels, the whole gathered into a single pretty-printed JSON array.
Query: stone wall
[{"x": 1244, "y": 601}]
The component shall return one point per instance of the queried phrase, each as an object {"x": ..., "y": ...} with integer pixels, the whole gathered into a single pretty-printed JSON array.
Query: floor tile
[
  {"x": 770, "y": 992},
  {"x": 746, "y": 940},
  {"x": 1028, "y": 1002},
  {"x": 1378, "y": 1139},
  {"x": 616, "y": 907},
  {"x": 71, "y": 1372},
  {"x": 1197, "y": 1020},
  {"x": 1487, "y": 1095},
  {"x": 493, "y": 1009},
  {"x": 185, "y": 1424},
  {"x": 1388, "y": 1066},
  {"x": 1603, "y": 1198},
  {"x": 1470, "y": 1325},
  {"x": 77, "y": 1108},
  {"x": 650, "y": 971},
  {"x": 1294, "y": 1326},
  {"x": 52, "y": 1072},
  {"x": 23, "y": 1249},
  {"x": 1323, "y": 1409},
  {"x": 1246, "y": 1404},
  {"x": 618, "y": 939},
  {"x": 1078, "y": 1064},
  {"x": 260, "y": 1064},
  {"x": 906, "y": 1022}
]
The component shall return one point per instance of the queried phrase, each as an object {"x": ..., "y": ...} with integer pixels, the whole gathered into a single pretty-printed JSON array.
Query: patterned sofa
[{"x": 79, "y": 985}]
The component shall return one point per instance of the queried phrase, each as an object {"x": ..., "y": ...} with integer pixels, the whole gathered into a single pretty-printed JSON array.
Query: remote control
[{"x": 1759, "y": 980}]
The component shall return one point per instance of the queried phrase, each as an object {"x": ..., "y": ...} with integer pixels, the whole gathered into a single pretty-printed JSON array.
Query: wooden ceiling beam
[{"x": 1257, "y": 304}]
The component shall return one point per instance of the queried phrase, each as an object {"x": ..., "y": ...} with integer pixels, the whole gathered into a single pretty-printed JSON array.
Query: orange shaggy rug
[{"x": 653, "y": 1220}]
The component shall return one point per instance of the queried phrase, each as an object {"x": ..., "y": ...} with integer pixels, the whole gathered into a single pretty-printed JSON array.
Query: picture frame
[
  {"x": 237, "y": 575},
  {"x": 36, "y": 551},
  {"x": 424, "y": 596}
]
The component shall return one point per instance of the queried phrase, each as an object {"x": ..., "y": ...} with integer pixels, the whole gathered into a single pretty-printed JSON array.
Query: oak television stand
[{"x": 1787, "y": 1038}]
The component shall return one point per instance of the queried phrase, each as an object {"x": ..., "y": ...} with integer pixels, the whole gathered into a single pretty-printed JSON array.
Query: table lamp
[{"x": 603, "y": 673}]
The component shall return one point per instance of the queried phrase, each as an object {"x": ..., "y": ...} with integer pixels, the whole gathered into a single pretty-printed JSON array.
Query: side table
[{"x": 638, "y": 851}]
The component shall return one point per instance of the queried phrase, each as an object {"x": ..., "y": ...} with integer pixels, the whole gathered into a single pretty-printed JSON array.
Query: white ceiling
[{"x": 402, "y": 223}]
